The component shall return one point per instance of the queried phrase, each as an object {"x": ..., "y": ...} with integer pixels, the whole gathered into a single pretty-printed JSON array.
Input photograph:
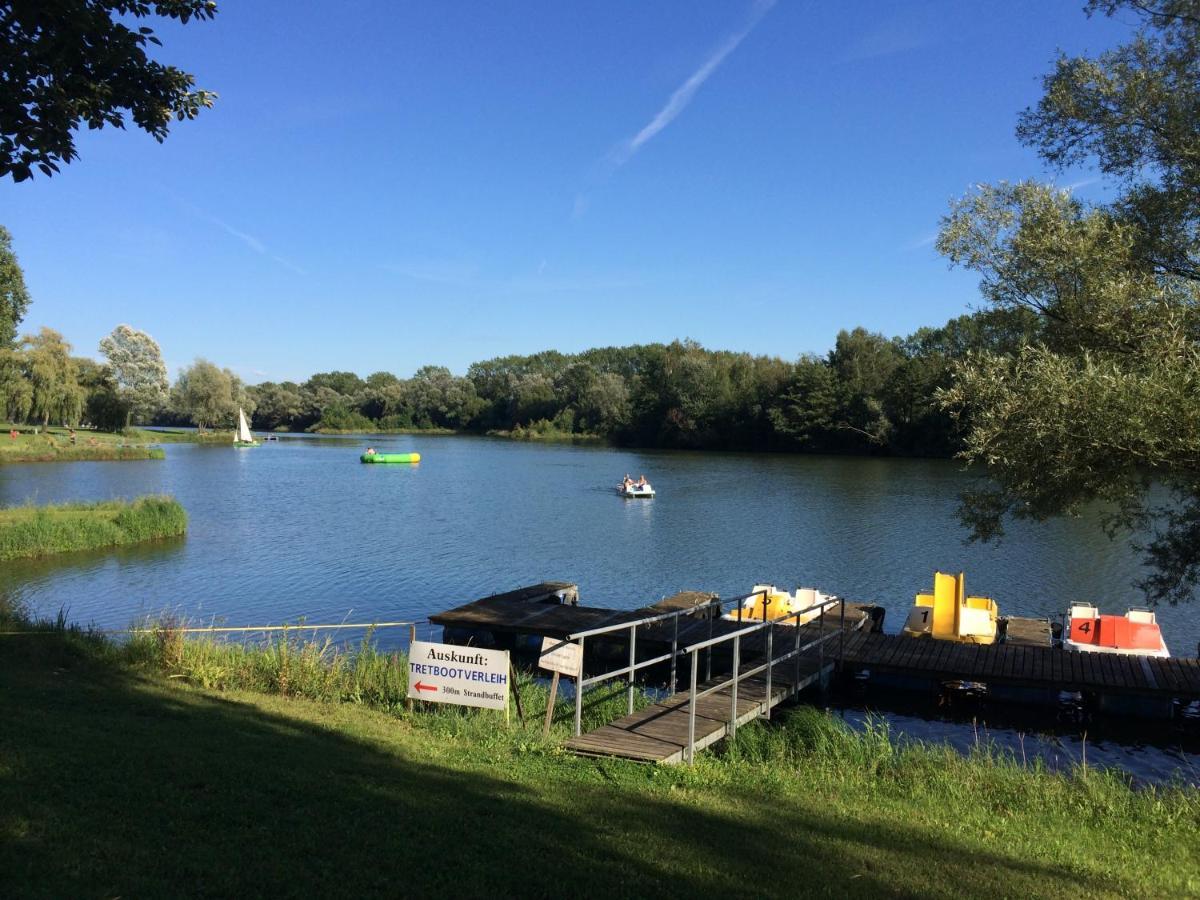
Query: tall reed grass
[
  {"x": 31, "y": 531},
  {"x": 296, "y": 665}
]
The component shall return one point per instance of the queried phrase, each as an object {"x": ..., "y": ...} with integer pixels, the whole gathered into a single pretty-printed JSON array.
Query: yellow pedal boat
[
  {"x": 948, "y": 614},
  {"x": 769, "y": 602}
]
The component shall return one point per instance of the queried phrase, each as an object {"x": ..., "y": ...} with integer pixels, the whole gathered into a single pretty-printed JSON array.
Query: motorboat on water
[
  {"x": 1136, "y": 633},
  {"x": 635, "y": 490},
  {"x": 948, "y": 614},
  {"x": 767, "y": 603}
]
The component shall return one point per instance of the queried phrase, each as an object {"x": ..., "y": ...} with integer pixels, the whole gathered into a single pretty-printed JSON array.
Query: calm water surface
[{"x": 300, "y": 528}]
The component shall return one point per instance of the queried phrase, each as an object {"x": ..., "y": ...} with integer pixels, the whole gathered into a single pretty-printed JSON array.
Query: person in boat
[
  {"x": 641, "y": 482},
  {"x": 370, "y": 451}
]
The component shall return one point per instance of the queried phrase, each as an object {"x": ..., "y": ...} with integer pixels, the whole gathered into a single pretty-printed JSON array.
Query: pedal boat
[
  {"x": 948, "y": 614},
  {"x": 1134, "y": 634},
  {"x": 634, "y": 491},
  {"x": 770, "y": 603}
]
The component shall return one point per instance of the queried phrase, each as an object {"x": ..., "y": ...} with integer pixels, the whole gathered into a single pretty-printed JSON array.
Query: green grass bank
[
  {"x": 297, "y": 771},
  {"x": 55, "y": 445},
  {"x": 32, "y": 531}
]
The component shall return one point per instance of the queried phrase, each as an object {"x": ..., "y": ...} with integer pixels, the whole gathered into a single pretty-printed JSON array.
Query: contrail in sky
[{"x": 683, "y": 94}]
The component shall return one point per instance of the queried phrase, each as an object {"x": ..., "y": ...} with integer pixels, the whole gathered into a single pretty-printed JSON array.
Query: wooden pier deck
[
  {"x": 1025, "y": 666},
  {"x": 659, "y": 733}
]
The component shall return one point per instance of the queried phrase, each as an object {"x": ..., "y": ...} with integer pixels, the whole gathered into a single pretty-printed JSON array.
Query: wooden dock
[
  {"x": 531, "y": 611},
  {"x": 1026, "y": 666},
  {"x": 1014, "y": 665},
  {"x": 659, "y": 733}
]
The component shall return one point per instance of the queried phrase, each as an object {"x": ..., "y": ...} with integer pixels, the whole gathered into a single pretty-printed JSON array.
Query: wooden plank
[
  {"x": 1087, "y": 676},
  {"x": 1162, "y": 674},
  {"x": 1135, "y": 674},
  {"x": 1191, "y": 672},
  {"x": 1070, "y": 668},
  {"x": 1079, "y": 667},
  {"x": 1037, "y": 662},
  {"x": 999, "y": 662},
  {"x": 1106, "y": 669},
  {"x": 1174, "y": 674},
  {"x": 944, "y": 656}
]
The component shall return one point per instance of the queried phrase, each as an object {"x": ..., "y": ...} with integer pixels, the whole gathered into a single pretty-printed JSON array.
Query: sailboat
[{"x": 243, "y": 437}]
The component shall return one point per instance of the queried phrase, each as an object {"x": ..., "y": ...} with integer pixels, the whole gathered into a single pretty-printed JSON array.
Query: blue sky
[{"x": 384, "y": 185}]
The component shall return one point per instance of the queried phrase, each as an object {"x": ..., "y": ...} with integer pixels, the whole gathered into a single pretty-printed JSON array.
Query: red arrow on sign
[{"x": 425, "y": 687}]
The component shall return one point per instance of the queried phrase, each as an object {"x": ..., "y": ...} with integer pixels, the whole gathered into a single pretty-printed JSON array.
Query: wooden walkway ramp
[
  {"x": 659, "y": 733},
  {"x": 1025, "y": 666}
]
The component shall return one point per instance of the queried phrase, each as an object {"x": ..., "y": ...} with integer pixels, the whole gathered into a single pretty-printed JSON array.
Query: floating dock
[
  {"x": 1016, "y": 665},
  {"x": 682, "y": 630}
]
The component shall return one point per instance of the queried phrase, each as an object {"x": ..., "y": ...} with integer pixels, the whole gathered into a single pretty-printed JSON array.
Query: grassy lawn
[
  {"x": 181, "y": 436},
  {"x": 32, "y": 531},
  {"x": 118, "y": 781},
  {"x": 54, "y": 445}
]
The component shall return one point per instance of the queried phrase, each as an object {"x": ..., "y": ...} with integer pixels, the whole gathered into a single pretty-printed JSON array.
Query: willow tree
[
  {"x": 1105, "y": 404},
  {"x": 53, "y": 378}
]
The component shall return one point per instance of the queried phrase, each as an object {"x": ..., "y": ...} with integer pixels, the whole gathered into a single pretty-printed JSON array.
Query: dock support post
[
  {"x": 674, "y": 653},
  {"x": 770, "y": 665},
  {"x": 516, "y": 691},
  {"x": 796, "y": 656},
  {"x": 842, "y": 637},
  {"x": 550, "y": 705},
  {"x": 632, "y": 662},
  {"x": 412, "y": 638},
  {"x": 737, "y": 662},
  {"x": 708, "y": 652},
  {"x": 821, "y": 649},
  {"x": 579, "y": 694},
  {"x": 691, "y": 747}
]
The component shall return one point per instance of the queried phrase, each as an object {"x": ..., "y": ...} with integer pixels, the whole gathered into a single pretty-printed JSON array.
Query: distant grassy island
[
  {"x": 277, "y": 758},
  {"x": 34, "y": 531}
]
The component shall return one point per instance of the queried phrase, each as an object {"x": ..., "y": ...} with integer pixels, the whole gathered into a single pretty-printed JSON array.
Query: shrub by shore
[
  {"x": 299, "y": 765},
  {"x": 32, "y": 531}
]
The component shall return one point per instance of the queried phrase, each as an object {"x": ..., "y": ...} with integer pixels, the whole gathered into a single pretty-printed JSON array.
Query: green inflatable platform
[{"x": 390, "y": 457}]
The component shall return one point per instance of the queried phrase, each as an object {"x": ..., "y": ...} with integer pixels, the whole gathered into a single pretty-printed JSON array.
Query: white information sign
[
  {"x": 468, "y": 676},
  {"x": 559, "y": 657}
]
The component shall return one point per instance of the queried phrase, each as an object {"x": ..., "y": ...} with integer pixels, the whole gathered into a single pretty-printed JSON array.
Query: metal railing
[
  {"x": 226, "y": 629},
  {"x": 631, "y": 669},
  {"x": 706, "y": 647},
  {"x": 768, "y": 666}
]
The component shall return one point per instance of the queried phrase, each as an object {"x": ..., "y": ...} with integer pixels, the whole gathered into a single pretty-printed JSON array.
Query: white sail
[{"x": 243, "y": 430}]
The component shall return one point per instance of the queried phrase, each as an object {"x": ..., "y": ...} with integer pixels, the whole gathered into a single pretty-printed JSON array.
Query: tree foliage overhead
[
  {"x": 1106, "y": 402},
  {"x": 64, "y": 63}
]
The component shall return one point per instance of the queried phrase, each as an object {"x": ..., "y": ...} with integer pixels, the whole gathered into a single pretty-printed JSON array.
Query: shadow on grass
[{"x": 115, "y": 784}]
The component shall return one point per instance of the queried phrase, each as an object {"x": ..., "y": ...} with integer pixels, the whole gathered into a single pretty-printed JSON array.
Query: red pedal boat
[{"x": 1136, "y": 633}]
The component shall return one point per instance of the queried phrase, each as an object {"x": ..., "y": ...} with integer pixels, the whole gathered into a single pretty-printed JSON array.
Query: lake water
[{"x": 299, "y": 528}]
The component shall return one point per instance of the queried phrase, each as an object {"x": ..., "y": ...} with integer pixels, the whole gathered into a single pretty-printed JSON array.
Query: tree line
[{"x": 869, "y": 394}]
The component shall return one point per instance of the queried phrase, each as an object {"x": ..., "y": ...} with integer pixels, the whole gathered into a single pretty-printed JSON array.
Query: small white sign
[
  {"x": 559, "y": 657},
  {"x": 467, "y": 676}
]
